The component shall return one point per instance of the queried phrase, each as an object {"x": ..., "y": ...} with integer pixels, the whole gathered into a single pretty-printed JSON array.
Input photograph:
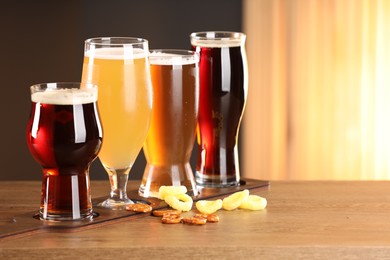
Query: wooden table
[{"x": 305, "y": 219}]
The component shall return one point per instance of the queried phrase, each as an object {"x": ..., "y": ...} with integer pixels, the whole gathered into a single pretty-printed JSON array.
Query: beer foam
[
  {"x": 161, "y": 58},
  {"x": 65, "y": 96},
  {"x": 217, "y": 43},
  {"x": 117, "y": 53}
]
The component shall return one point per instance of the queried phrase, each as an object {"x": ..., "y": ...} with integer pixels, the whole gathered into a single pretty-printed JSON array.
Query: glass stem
[{"x": 118, "y": 181}]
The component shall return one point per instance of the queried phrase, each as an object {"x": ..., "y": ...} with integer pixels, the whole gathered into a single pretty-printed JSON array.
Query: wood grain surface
[{"x": 303, "y": 220}]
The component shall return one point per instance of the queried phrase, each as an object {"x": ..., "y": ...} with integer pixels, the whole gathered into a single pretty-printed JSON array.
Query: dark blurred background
[{"x": 43, "y": 41}]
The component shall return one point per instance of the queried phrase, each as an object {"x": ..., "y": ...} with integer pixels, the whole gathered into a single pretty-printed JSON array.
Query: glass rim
[
  {"x": 52, "y": 86},
  {"x": 183, "y": 52},
  {"x": 217, "y": 38},
  {"x": 115, "y": 41},
  {"x": 217, "y": 35},
  {"x": 178, "y": 57}
]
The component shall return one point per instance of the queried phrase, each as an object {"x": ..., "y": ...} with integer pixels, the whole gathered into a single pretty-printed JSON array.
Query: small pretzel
[
  {"x": 200, "y": 215},
  {"x": 194, "y": 220},
  {"x": 138, "y": 207},
  {"x": 161, "y": 212},
  {"x": 210, "y": 217},
  {"x": 171, "y": 218}
]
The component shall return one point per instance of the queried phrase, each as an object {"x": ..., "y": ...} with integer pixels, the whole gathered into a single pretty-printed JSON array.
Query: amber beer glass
[
  {"x": 223, "y": 93},
  {"x": 120, "y": 67},
  {"x": 171, "y": 136},
  {"x": 64, "y": 136}
]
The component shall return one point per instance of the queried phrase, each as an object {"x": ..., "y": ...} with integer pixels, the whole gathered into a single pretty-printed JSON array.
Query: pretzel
[
  {"x": 210, "y": 217},
  {"x": 138, "y": 207},
  {"x": 161, "y": 212},
  {"x": 168, "y": 218},
  {"x": 194, "y": 220}
]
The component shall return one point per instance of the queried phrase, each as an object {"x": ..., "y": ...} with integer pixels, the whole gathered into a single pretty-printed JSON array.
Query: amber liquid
[
  {"x": 64, "y": 140},
  {"x": 171, "y": 136},
  {"x": 223, "y": 92}
]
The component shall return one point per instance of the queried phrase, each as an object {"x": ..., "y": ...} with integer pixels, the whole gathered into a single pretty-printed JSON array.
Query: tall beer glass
[
  {"x": 223, "y": 93},
  {"x": 120, "y": 67},
  {"x": 171, "y": 137},
  {"x": 64, "y": 136}
]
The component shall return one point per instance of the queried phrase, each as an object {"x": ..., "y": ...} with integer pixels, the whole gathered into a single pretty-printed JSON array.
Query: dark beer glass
[
  {"x": 223, "y": 93},
  {"x": 64, "y": 136}
]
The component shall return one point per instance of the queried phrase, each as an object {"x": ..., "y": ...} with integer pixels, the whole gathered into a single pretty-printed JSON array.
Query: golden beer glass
[
  {"x": 120, "y": 68},
  {"x": 171, "y": 137}
]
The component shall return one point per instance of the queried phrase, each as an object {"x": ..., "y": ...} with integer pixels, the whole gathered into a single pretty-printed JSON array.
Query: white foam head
[
  {"x": 217, "y": 39},
  {"x": 117, "y": 53},
  {"x": 71, "y": 96},
  {"x": 161, "y": 57}
]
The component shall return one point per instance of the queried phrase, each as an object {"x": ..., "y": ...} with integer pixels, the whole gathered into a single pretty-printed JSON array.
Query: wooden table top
[{"x": 303, "y": 219}]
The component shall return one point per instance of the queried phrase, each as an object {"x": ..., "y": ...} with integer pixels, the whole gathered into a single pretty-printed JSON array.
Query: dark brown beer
[
  {"x": 223, "y": 92},
  {"x": 64, "y": 139}
]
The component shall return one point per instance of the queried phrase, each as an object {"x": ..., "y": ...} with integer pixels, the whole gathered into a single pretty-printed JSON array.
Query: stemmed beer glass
[{"x": 120, "y": 68}]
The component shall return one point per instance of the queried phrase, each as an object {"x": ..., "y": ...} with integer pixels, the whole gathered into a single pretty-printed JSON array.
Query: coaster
[{"x": 29, "y": 223}]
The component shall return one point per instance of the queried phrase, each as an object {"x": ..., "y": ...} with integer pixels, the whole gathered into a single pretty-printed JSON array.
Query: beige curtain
[{"x": 319, "y": 89}]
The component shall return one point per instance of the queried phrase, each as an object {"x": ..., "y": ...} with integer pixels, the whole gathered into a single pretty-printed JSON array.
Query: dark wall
[{"x": 43, "y": 41}]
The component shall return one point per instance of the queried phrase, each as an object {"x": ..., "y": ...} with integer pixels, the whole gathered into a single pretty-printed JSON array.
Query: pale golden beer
[
  {"x": 171, "y": 136},
  {"x": 120, "y": 68}
]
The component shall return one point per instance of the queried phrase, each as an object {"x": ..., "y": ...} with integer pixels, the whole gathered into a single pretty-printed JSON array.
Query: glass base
[
  {"x": 167, "y": 175},
  {"x": 216, "y": 181},
  {"x": 115, "y": 204},
  {"x": 145, "y": 192},
  {"x": 86, "y": 215}
]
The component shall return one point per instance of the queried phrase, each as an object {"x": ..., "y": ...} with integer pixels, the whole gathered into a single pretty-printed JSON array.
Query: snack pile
[{"x": 179, "y": 201}]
